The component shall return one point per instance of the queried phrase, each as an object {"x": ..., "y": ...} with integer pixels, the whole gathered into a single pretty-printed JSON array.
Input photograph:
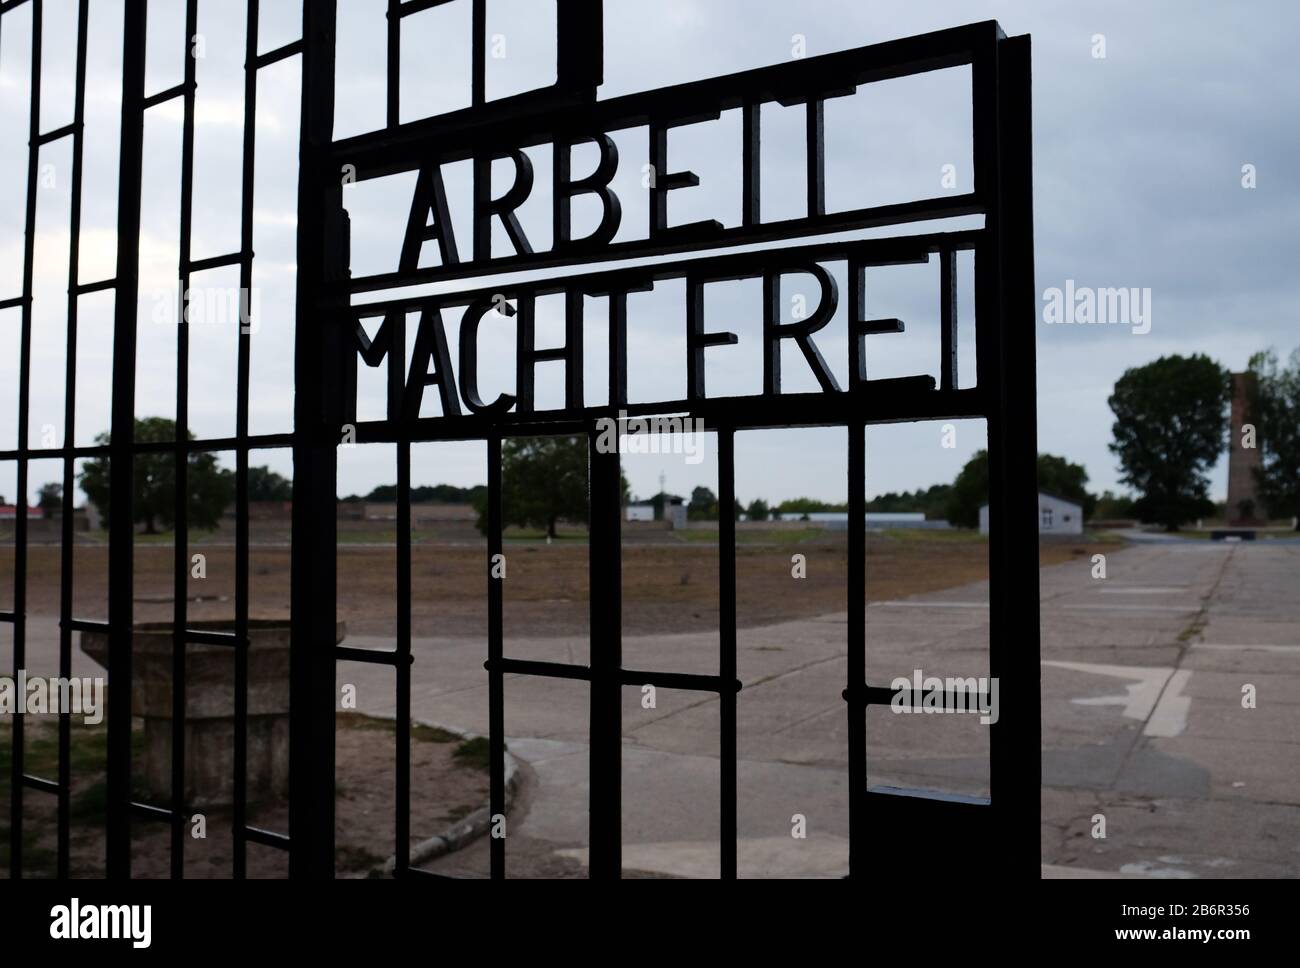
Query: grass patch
[
  {"x": 473, "y": 753},
  {"x": 420, "y": 732}
]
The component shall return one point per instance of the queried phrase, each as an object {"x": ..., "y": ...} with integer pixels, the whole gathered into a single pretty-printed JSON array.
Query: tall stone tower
[{"x": 1244, "y": 508}]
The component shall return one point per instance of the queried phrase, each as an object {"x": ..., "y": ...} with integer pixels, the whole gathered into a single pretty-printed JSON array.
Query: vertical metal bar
[
  {"x": 24, "y": 440},
  {"x": 478, "y": 41},
  {"x": 857, "y": 648},
  {"x": 394, "y": 71},
  {"x": 69, "y": 425},
  {"x": 402, "y": 798},
  {"x": 580, "y": 46},
  {"x": 1016, "y": 760},
  {"x": 816, "y": 147},
  {"x": 239, "y": 813},
  {"x": 751, "y": 186},
  {"x": 322, "y": 265},
  {"x": 496, "y": 678},
  {"x": 180, "y": 456},
  {"x": 121, "y": 458},
  {"x": 727, "y": 645},
  {"x": 606, "y": 727},
  {"x": 947, "y": 320}
]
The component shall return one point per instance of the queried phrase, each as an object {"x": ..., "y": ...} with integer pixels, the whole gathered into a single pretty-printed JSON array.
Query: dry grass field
[{"x": 670, "y": 583}]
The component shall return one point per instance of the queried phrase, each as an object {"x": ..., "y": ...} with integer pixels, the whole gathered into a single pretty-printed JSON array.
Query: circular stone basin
[{"x": 210, "y": 708}]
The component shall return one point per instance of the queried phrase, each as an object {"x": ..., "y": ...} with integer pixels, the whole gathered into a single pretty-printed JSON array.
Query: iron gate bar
[
  {"x": 605, "y": 593},
  {"x": 63, "y": 786},
  {"x": 565, "y": 113},
  {"x": 495, "y": 650},
  {"x": 121, "y": 537},
  {"x": 24, "y": 392},
  {"x": 180, "y": 456},
  {"x": 402, "y": 664},
  {"x": 727, "y": 752},
  {"x": 255, "y": 442},
  {"x": 322, "y": 268}
]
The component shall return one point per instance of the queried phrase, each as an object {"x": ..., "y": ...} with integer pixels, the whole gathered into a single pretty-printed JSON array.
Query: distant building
[
  {"x": 9, "y": 512},
  {"x": 641, "y": 511},
  {"x": 1056, "y": 515}
]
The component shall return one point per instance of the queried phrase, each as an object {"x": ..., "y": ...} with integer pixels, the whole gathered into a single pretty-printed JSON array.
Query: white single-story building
[
  {"x": 1056, "y": 515},
  {"x": 641, "y": 511}
]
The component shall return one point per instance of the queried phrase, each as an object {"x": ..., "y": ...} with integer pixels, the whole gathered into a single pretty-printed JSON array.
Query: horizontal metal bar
[
  {"x": 84, "y": 625},
  {"x": 261, "y": 442},
  {"x": 677, "y": 680},
  {"x": 417, "y": 872},
  {"x": 525, "y": 121},
  {"x": 153, "y": 100},
  {"x": 267, "y": 838},
  {"x": 706, "y": 268},
  {"x": 58, "y": 133},
  {"x": 11, "y": 5},
  {"x": 42, "y": 784},
  {"x": 211, "y": 637},
  {"x": 911, "y": 698},
  {"x": 924, "y": 210},
  {"x": 876, "y": 402},
  {"x": 279, "y": 54},
  {"x": 14, "y": 302},
  {"x": 8, "y": 617},
  {"x": 216, "y": 262},
  {"x": 373, "y": 656},
  {"x": 410, "y": 7},
  {"x": 150, "y": 812},
  {"x": 88, "y": 287},
  {"x": 930, "y": 796},
  {"x": 550, "y": 670}
]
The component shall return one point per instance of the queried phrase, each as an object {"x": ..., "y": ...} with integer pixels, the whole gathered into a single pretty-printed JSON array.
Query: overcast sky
[{"x": 1138, "y": 157}]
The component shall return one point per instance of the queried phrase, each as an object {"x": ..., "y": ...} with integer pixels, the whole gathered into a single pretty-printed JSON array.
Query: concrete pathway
[{"x": 1144, "y": 675}]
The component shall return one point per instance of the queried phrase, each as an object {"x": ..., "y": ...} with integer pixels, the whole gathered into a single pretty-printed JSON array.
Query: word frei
[
  {"x": 102, "y": 922},
  {"x": 931, "y": 694},
  {"x": 1084, "y": 306},
  {"x": 39, "y": 696}
]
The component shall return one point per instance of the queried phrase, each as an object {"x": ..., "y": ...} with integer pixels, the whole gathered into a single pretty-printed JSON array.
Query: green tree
[
  {"x": 210, "y": 487},
  {"x": 1275, "y": 411},
  {"x": 758, "y": 510},
  {"x": 1058, "y": 476},
  {"x": 50, "y": 498},
  {"x": 265, "y": 484},
  {"x": 703, "y": 505},
  {"x": 1170, "y": 428},
  {"x": 543, "y": 481},
  {"x": 970, "y": 491}
]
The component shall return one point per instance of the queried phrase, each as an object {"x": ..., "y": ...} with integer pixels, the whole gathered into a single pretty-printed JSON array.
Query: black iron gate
[{"x": 330, "y": 343}]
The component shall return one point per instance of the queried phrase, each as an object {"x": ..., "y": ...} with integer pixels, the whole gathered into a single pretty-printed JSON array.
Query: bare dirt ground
[
  {"x": 449, "y": 780},
  {"x": 669, "y": 584}
]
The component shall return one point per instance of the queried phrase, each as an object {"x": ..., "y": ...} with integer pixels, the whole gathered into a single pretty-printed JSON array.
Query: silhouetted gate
[{"x": 330, "y": 343}]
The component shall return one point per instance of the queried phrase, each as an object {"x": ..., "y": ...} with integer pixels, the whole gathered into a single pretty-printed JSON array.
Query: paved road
[{"x": 1143, "y": 678}]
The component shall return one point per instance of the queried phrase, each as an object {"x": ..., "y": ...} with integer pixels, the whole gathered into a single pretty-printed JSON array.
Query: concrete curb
[{"x": 464, "y": 831}]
